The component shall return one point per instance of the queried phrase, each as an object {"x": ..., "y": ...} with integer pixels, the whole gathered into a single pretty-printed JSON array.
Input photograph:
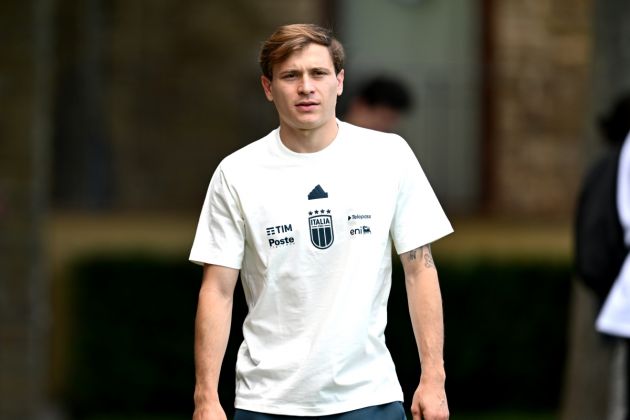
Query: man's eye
[{"x": 289, "y": 76}]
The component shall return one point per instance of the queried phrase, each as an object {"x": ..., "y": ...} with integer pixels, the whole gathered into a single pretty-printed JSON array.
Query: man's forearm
[
  {"x": 425, "y": 308},
  {"x": 212, "y": 330}
]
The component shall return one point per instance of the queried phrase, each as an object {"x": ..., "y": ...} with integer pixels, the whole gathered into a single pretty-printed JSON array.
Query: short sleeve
[
  {"x": 418, "y": 218},
  {"x": 220, "y": 235},
  {"x": 623, "y": 189}
]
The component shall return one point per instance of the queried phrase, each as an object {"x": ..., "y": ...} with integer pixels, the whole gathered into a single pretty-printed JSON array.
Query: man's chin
[{"x": 306, "y": 124}]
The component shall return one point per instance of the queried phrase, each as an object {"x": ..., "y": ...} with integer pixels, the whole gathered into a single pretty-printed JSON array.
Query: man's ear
[
  {"x": 340, "y": 77},
  {"x": 266, "y": 84}
]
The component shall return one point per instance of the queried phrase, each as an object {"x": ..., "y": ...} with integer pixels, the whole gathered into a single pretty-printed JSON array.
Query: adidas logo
[{"x": 318, "y": 192}]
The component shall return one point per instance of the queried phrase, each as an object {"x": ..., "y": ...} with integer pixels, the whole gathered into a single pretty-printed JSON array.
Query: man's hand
[
  {"x": 210, "y": 411},
  {"x": 429, "y": 402}
]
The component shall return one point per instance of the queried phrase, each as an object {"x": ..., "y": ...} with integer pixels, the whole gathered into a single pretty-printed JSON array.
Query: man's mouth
[{"x": 307, "y": 105}]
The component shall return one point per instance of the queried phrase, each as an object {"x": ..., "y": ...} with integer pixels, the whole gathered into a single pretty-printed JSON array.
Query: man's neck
[{"x": 308, "y": 140}]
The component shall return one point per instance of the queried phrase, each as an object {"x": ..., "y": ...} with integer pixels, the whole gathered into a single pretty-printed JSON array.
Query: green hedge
[
  {"x": 133, "y": 316},
  {"x": 133, "y": 324},
  {"x": 506, "y": 333}
]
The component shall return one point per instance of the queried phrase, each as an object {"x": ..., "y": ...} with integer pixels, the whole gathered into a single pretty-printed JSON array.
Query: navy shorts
[{"x": 391, "y": 411}]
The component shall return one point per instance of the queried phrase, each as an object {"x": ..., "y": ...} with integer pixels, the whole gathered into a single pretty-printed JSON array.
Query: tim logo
[{"x": 321, "y": 228}]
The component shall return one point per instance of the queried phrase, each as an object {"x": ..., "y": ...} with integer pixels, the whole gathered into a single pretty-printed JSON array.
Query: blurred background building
[{"x": 115, "y": 114}]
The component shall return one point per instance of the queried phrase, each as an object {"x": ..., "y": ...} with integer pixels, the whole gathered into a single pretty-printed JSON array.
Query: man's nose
[{"x": 306, "y": 85}]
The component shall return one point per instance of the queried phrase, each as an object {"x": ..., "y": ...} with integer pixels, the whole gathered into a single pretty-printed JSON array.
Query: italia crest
[{"x": 321, "y": 228}]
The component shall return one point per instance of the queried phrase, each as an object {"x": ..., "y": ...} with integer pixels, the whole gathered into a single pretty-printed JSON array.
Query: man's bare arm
[
  {"x": 425, "y": 308},
  {"x": 212, "y": 330}
]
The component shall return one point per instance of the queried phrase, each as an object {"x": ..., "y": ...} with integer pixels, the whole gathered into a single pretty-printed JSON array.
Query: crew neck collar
[{"x": 334, "y": 144}]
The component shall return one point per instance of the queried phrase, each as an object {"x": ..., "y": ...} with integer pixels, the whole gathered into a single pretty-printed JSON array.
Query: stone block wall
[
  {"x": 539, "y": 93},
  {"x": 25, "y": 67}
]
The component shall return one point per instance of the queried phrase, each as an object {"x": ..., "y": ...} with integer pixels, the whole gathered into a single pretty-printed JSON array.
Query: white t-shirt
[
  {"x": 614, "y": 317},
  {"x": 312, "y": 235}
]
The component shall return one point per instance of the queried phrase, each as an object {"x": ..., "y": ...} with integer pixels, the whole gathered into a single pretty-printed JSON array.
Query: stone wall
[
  {"x": 539, "y": 92},
  {"x": 25, "y": 30}
]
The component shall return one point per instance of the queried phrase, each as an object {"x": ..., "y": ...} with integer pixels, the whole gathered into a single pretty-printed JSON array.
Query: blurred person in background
[
  {"x": 379, "y": 104},
  {"x": 308, "y": 216},
  {"x": 602, "y": 244},
  {"x": 614, "y": 318}
]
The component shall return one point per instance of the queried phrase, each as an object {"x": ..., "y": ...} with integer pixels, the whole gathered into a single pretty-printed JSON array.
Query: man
[
  {"x": 614, "y": 318},
  {"x": 379, "y": 104},
  {"x": 305, "y": 215},
  {"x": 602, "y": 242}
]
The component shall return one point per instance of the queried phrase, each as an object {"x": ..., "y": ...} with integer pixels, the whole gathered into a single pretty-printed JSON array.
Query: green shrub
[
  {"x": 131, "y": 350},
  {"x": 133, "y": 317},
  {"x": 505, "y": 328}
]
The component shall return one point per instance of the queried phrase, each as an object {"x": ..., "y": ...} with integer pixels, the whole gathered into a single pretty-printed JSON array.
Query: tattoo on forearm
[
  {"x": 425, "y": 251},
  {"x": 428, "y": 258}
]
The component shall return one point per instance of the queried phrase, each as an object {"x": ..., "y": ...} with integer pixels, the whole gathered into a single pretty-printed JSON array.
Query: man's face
[{"x": 304, "y": 88}]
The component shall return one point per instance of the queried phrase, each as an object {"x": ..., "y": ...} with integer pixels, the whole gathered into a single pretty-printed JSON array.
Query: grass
[
  {"x": 137, "y": 417},
  {"x": 504, "y": 415},
  {"x": 498, "y": 415}
]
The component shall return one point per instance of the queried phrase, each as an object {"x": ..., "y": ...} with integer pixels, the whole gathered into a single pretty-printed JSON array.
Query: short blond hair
[{"x": 290, "y": 38}]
